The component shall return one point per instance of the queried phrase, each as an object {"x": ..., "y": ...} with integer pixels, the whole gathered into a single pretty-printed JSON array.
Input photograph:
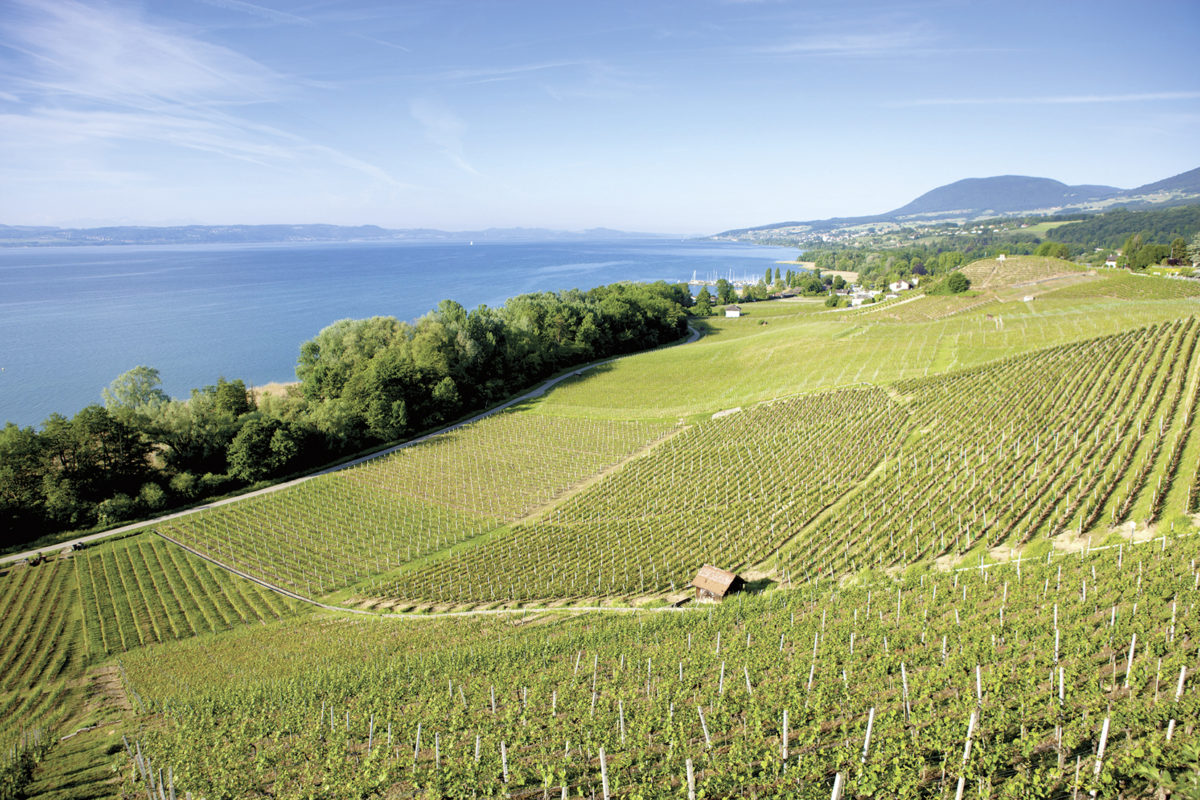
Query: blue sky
[{"x": 686, "y": 117}]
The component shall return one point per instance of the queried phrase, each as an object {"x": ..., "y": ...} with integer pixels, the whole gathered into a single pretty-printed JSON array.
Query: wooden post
[
  {"x": 838, "y": 782},
  {"x": 504, "y": 759},
  {"x": 703, "y": 727},
  {"x": 904, "y": 681},
  {"x": 691, "y": 781}
]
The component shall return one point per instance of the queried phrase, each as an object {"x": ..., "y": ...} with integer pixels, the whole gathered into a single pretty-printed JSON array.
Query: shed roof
[{"x": 714, "y": 579}]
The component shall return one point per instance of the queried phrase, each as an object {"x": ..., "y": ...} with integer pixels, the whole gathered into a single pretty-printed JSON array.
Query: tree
[
  {"x": 957, "y": 283},
  {"x": 136, "y": 393},
  {"x": 231, "y": 397},
  {"x": 263, "y": 447},
  {"x": 703, "y": 306},
  {"x": 767, "y": 277},
  {"x": 1179, "y": 250},
  {"x": 1053, "y": 250},
  {"x": 22, "y": 469},
  {"x": 725, "y": 292},
  {"x": 1194, "y": 249},
  {"x": 839, "y": 283}
]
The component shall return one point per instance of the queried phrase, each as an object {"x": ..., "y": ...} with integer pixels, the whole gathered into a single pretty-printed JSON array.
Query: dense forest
[{"x": 363, "y": 383}]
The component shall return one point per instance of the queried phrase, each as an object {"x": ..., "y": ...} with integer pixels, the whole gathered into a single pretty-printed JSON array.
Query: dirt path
[{"x": 538, "y": 391}]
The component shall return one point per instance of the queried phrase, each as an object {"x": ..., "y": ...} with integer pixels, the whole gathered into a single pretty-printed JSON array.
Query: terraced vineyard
[
  {"x": 343, "y": 527},
  {"x": 730, "y": 489},
  {"x": 142, "y": 590},
  {"x": 1033, "y": 679}
]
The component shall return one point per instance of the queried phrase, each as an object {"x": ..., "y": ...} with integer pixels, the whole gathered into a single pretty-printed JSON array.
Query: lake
[{"x": 73, "y": 318}]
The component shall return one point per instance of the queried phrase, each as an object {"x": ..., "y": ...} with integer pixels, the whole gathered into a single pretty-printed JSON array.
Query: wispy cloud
[
  {"x": 101, "y": 75},
  {"x": 869, "y": 43},
  {"x": 1047, "y": 100},
  {"x": 443, "y": 129},
  {"x": 261, "y": 12},
  {"x": 475, "y": 74}
]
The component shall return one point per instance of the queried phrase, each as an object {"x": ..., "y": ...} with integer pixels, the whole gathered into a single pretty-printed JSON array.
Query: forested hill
[{"x": 1110, "y": 230}]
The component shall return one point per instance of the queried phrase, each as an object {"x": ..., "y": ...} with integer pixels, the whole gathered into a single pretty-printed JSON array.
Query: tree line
[{"x": 362, "y": 383}]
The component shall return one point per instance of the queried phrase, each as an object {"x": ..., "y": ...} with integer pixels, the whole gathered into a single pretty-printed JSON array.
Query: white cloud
[{"x": 93, "y": 76}]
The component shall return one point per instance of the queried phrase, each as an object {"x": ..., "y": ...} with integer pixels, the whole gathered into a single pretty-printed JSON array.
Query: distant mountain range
[
  {"x": 1000, "y": 196},
  {"x": 28, "y": 236}
]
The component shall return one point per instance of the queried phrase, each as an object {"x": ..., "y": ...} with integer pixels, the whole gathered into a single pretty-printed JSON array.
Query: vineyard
[
  {"x": 1027, "y": 448},
  {"x": 968, "y": 528},
  {"x": 141, "y": 591},
  {"x": 1030, "y": 679},
  {"x": 41, "y": 649},
  {"x": 1017, "y": 271},
  {"x": 1124, "y": 286},
  {"x": 730, "y": 489},
  {"x": 338, "y": 529}
]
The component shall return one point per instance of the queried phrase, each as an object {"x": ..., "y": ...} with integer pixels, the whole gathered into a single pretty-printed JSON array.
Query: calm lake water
[{"x": 73, "y": 318}]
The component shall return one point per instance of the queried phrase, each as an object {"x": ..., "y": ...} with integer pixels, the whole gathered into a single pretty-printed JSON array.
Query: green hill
[{"x": 959, "y": 518}]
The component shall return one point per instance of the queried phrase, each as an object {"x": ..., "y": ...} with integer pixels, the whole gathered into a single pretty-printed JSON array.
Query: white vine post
[
  {"x": 784, "y": 737},
  {"x": 604, "y": 773},
  {"x": 1100, "y": 753},
  {"x": 962, "y": 779},
  {"x": 867, "y": 738},
  {"x": 1178, "y": 694},
  {"x": 691, "y": 781}
]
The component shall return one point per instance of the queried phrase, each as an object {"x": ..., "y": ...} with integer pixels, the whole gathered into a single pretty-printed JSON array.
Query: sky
[{"x": 678, "y": 117}]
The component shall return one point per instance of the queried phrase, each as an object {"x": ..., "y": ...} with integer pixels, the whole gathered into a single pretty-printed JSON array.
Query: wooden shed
[{"x": 713, "y": 583}]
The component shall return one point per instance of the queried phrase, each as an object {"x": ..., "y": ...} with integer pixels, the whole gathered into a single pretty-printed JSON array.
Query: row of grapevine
[
  {"x": 340, "y": 528},
  {"x": 40, "y": 632},
  {"x": 143, "y": 590},
  {"x": 1030, "y": 446},
  {"x": 1040, "y": 664},
  {"x": 729, "y": 490}
]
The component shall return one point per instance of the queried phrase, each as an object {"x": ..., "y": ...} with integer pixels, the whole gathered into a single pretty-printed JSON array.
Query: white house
[
  {"x": 899, "y": 286},
  {"x": 1111, "y": 261},
  {"x": 1000, "y": 257},
  {"x": 733, "y": 311}
]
